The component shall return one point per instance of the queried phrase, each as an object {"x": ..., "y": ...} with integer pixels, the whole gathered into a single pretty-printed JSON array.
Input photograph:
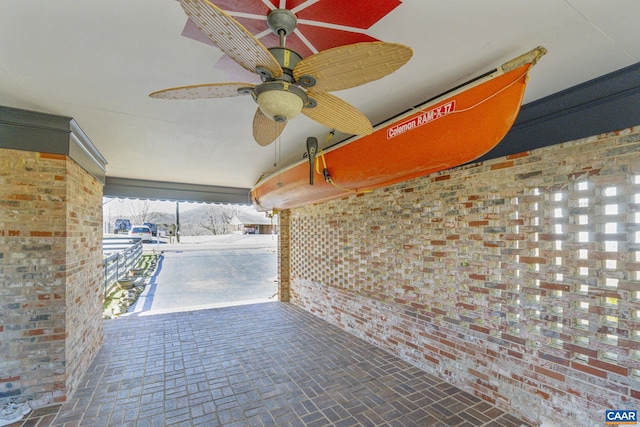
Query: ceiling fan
[{"x": 290, "y": 84}]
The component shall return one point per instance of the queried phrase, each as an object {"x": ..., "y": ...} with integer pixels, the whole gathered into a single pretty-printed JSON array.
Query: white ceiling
[{"x": 97, "y": 61}]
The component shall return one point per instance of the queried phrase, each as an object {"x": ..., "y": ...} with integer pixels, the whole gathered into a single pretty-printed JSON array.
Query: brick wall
[
  {"x": 284, "y": 257},
  {"x": 84, "y": 285},
  {"x": 50, "y": 273},
  {"x": 516, "y": 279}
]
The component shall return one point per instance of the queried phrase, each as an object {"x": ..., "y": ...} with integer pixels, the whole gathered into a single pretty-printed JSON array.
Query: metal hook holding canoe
[{"x": 312, "y": 151}]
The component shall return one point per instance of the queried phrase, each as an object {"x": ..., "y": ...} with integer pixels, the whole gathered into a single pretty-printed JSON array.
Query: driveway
[{"x": 211, "y": 271}]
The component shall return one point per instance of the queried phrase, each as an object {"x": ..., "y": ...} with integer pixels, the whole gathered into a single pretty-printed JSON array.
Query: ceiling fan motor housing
[
  {"x": 287, "y": 59},
  {"x": 281, "y": 99}
]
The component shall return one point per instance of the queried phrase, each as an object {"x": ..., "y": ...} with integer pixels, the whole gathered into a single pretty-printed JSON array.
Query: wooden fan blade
[
  {"x": 352, "y": 65},
  {"x": 230, "y": 36},
  {"x": 265, "y": 130},
  {"x": 203, "y": 91},
  {"x": 337, "y": 114}
]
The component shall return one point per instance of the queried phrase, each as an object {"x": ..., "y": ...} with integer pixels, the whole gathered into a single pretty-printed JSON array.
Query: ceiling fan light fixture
[
  {"x": 280, "y": 101},
  {"x": 280, "y": 106}
]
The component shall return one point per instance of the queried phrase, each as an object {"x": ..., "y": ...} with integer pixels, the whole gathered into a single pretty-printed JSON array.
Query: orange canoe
[{"x": 450, "y": 130}]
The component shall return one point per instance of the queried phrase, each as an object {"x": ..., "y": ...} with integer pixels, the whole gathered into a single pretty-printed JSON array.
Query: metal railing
[{"x": 120, "y": 255}]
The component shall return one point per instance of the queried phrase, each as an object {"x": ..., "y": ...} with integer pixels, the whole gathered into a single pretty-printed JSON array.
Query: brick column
[
  {"x": 283, "y": 257},
  {"x": 50, "y": 260}
]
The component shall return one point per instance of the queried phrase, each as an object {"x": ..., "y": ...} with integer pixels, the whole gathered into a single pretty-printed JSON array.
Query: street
[{"x": 210, "y": 273}]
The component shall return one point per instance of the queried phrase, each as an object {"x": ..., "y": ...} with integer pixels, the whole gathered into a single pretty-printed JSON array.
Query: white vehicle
[{"x": 141, "y": 231}]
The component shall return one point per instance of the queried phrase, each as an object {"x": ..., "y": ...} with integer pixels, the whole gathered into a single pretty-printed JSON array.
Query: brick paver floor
[{"x": 269, "y": 364}]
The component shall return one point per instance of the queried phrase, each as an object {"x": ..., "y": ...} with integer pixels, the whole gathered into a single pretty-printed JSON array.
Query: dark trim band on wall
[
  {"x": 47, "y": 133},
  {"x": 173, "y": 191},
  {"x": 605, "y": 104}
]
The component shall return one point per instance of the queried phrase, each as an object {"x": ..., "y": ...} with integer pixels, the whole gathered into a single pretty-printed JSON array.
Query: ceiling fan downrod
[{"x": 283, "y": 22}]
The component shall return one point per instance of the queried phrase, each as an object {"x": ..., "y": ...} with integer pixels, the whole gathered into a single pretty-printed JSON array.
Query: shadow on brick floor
[{"x": 269, "y": 364}]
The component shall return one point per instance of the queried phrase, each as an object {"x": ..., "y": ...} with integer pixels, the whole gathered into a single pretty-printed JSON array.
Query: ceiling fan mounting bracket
[
  {"x": 307, "y": 81},
  {"x": 264, "y": 73},
  {"x": 282, "y": 22},
  {"x": 311, "y": 103}
]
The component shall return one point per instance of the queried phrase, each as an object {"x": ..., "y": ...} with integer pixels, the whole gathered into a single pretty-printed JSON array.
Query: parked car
[
  {"x": 152, "y": 227},
  {"x": 122, "y": 226},
  {"x": 141, "y": 231}
]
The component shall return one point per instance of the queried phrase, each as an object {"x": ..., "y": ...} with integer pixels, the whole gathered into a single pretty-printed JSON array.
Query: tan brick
[
  {"x": 386, "y": 261},
  {"x": 53, "y": 262}
]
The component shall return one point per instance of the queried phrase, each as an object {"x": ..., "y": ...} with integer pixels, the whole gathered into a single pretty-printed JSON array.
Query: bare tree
[
  {"x": 218, "y": 218},
  {"x": 141, "y": 212}
]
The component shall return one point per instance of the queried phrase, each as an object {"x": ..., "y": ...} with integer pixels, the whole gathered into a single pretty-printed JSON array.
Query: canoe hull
[{"x": 447, "y": 132}]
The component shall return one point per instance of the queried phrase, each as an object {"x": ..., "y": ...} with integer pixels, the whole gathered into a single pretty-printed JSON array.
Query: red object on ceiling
[
  {"x": 359, "y": 14},
  {"x": 323, "y": 24}
]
